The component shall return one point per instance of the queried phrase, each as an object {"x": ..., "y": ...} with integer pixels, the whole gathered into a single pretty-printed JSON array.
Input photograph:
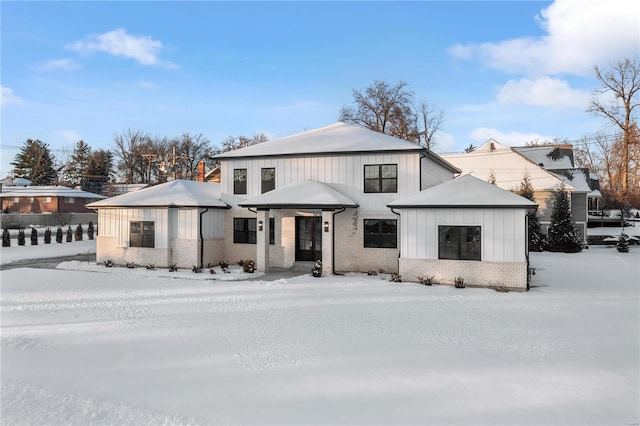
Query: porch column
[
  {"x": 262, "y": 241},
  {"x": 327, "y": 242}
]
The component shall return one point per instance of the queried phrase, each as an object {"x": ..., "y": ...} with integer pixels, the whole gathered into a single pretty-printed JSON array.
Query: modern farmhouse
[{"x": 341, "y": 194}]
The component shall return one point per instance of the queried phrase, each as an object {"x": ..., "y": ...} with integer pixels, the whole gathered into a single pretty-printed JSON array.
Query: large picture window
[
  {"x": 381, "y": 178},
  {"x": 142, "y": 234},
  {"x": 268, "y": 176},
  {"x": 381, "y": 233},
  {"x": 459, "y": 242},
  {"x": 244, "y": 230},
  {"x": 239, "y": 181}
]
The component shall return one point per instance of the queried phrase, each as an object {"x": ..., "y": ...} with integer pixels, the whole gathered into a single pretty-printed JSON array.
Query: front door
[{"x": 308, "y": 238}]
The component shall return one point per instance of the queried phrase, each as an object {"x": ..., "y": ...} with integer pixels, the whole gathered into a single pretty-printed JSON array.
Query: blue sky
[{"x": 513, "y": 71}]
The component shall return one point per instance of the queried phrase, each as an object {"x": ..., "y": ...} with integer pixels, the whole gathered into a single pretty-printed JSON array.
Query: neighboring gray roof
[
  {"x": 46, "y": 191},
  {"x": 338, "y": 138},
  {"x": 541, "y": 155},
  {"x": 177, "y": 193},
  {"x": 576, "y": 178},
  {"x": 464, "y": 192},
  {"x": 307, "y": 194}
]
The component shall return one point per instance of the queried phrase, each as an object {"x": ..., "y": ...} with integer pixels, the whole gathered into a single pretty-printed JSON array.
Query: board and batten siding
[
  {"x": 503, "y": 232},
  {"x": 344, "y": 173},
  {"x": 115, "y": 223},
  {"x": 433, "y": 173}
]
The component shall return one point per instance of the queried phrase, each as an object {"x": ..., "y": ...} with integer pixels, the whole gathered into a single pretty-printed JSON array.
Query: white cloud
[
  {"x": 143, "y": 49},
  {"x": 60, "y": 64},
  {"x": 513, "y": 138},
  {"x": 445, "y": 142},
  {"x": 144, "y": 84},
  {"x": 542, "y": 92},
  {"x": 579, "y": 35},
  {"x": 8, "y": 98},
  {"x": 70, "y": 135}
]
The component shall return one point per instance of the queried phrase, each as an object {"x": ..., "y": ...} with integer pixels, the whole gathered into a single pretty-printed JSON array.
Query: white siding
[
  {"x": 115, "y": 223},
  {"x": 503, "y": 232},
  {"x": 433, "y": 173}
]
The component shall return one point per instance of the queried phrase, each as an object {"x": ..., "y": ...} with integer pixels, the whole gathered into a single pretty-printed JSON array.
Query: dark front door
[{"x": 308, "y": 238}]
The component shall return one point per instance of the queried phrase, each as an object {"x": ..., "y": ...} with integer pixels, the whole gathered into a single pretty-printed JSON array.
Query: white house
[{"x": 323, "y": 194}]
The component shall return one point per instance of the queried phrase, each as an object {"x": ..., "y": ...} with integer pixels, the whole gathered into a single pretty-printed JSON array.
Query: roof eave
[
  {"x": 323, "y": 154},
  {"x": 297, "y": 206}
]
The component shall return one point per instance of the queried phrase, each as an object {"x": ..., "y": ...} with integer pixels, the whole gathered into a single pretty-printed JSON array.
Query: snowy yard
[{"x": 120, "y": 346}]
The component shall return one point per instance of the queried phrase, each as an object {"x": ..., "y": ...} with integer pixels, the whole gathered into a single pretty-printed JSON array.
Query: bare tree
[
  {"x": 428, "y": 122},
  {"x": 616, "y": 101},
  {"x": 231, "y": 143},
  {"x": 129, "y": 149},
  {"x": 193, "y": 149}
]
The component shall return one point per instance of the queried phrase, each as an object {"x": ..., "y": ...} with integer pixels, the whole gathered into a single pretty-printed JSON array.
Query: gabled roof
[
  {"x": 177, "y": 193},
  {"x": 507, "y": 165},
  {"x": 46, "y": 191},
  {"x": 549, "y": 157},
  {"x": 464, "y": 192},
  {"x": 301, "y": 195},
  {"x": 338, "y": 138}
]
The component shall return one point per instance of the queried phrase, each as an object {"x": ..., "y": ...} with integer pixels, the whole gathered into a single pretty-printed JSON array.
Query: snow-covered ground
[{"x": 84, "y": 344}]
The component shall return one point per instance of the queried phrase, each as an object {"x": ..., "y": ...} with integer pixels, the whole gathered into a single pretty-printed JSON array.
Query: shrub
[
  {"x": 372, "y": 272},
  {"x": 426, "y": 280},
  {"x": 59, "y": 235},
  {"x": 34, "y": 237},
  {"x": 151, "y": 267},
  {"x": 21, "y": 237},
  {"x": 459, "y": 282},
  {"x": 79, "y": 233},
  {"x": 90, "y": 230},
  {"x": 316, "y": 271},
  {"x": 108, "y": 263},
  {"x": 196, "y": 269},
  {"x": 131, "y": 265},
  {"x": 622, "y": 245},
  {"x": 47, "y": 236},
  {"x": 396, "y": 278},
  {"x": 501, "y": 289},
  {"x": 6, "y": 238},
  {"x": 249, "y": 266},
  {"x": 69, "y": 235},
  {"x": 173, "y": 268},
  {"x": 225, "y": 265}
]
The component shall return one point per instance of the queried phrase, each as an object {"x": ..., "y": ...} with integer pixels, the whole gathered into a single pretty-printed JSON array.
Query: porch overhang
[{"x": 301, "y": 195}]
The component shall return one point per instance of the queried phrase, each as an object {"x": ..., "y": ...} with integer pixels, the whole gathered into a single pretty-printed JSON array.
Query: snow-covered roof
[
  {"x": 306, "y": 194},
  {"x": 507, "y": 166},
  {"x": 541, "y": 155},
  {"x": 333, "y": 139},
  {"x": 594, "y": 194},
  {"x": 576, "y": 178},
  {"x": 464, "y": 192},
  {"x": 177, "y": 193},
  {"x": 46, "y": 191},
  {"x": 15, "y": 182}
]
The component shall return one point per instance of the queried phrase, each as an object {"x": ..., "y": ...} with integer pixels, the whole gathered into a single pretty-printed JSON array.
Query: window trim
[
  {"x": 461, "y": 235},
  {"x": 379, "y": 236},
  {"x": 380, "y": 180},
  {"x": 240, "y": 186},
  {"x": 267, "y": 185},
  {"x": 142, "y": 239}
]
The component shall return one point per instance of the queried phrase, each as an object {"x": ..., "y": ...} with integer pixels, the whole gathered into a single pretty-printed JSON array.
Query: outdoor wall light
[
  {"x": 260, "y": 225},
  {"x": 326, "y": 227}
]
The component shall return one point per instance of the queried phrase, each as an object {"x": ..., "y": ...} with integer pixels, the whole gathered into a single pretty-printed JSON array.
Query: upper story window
[
  {"x": 142, "y": 234},
  {"x": 239, "y": 181},
  {"x": 69, "y": 200},
  {"x": 459, "y": 242},
  {"x": 381, "y": 233},
  {"x": 381, "y": 178},
  {"x": 268, "y": 177}
]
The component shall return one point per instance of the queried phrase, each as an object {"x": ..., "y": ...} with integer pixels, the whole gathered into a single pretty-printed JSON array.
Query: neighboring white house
[
  {"x": 180, "y": 222},
  {"x": 326, "y": 194}
]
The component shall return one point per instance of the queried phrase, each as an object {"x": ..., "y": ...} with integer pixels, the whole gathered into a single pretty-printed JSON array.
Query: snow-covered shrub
[
  {"x": 151, "y": 267},
  {"x": 459, "y": 282},
  {"x": 69, "y": 235},
  {"x": 90, "y": 230},
  {"x": 79, "y": 233},
  {"x": 316, "y": 271},
  {"x": 196, "y": 269},
  {"x": 212, "y": 271},
  {"x": 225, "y": 265},
  {"x": 396, "y": 278},
  {"x": 501, "y": 289},
  {"x": 59, "y": 235},
  {"x": 622, "y": 245},
  {"x": 131, "y": 265},
  {"x": 6, "y": 238},
  {"x": 241, "y": 263},
  {"x": 249, "y": 266},
  {"x": 426, "y": 280},
  {"x": 108, "y": 263},
  {"x": 47, "y": 236},
  {"x": 372, "y": 272},
  {"x": 21, "y": 237},
  {"x": 173, "y": 268},
  {"x": 34, "y": 237}
]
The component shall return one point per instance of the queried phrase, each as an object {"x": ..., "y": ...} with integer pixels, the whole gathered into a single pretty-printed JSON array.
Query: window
[
  {"x": 15, "y": 200},
  {"x": 142, "y": 234},
  {"x": 239, "y": 181},
  {"x": 69, "y": 200},
  {"x": 268, "y": 179},
  {"x": 459, "y": 242},
  {"x": 244, "y": 230},
  {"x": 381, "y": 178},
  {"x": 381, "y": 233}
]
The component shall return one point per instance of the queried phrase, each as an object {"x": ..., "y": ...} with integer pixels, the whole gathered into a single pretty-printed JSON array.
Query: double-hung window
[
  {"x": 240, "y": 181},
  {"x": 459, "y": 242},
  {"x": 381, "y": 233},
  {"x": 142, "y": 234},
  {"x": 268, "y": 177},
  {"x": 381, "y": 178},
  {"x": 244, "y": 230}
]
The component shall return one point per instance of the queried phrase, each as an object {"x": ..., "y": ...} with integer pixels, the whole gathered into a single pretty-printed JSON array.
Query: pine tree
[
  {"x": 34, "y": 237},
  {"x": 90, "y": 230},
  {"x": 79, "y": 233},
  {"x": 6, "y": 238},
  {"x": 35, "y": 162},
  {"x": 47, "y": 236},
  {"x": 77, "y": 165},
  {"x": 69, "y": 235},
  {"x": 99, "y": 171},
  {"x": 59, "y": 235},
  {"x": 21, "y": 237},
  {"x": 535, "y": 237},
  {"x": 563, "y": 235}
]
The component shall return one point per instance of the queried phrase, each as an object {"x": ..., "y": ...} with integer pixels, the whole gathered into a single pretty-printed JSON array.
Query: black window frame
[
  {"x": 246, "y": 235},
  {"x": 460, "y": 242},
  {"x": 239, "y": 186},
  {"x": 270, "y": 184},
  {"x": 380, "y": 184},
  {"x": 144, "y": 235},
  {"x": 381, "y": 238}
]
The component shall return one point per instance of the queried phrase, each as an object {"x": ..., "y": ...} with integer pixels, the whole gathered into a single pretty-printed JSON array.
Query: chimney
[{"x": 201, "y": 171}]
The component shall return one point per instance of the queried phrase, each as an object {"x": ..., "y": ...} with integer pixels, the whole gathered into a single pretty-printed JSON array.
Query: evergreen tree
[
  {"x": 21, "y": 237},
  {"x": 79, "y": 233},
  {"x": 563, "y": 235},
  {"x": 69, "y": 235},
  {"x": 34, "y": 237},
  {"x": 6, "y": 238},
  {"x": 492, "y": 178},
  {"x": 77, "y": 165},
  {"x": 99, "y": 171},
  {"x": 90, "y": 230},
  {"x": 35, "y": 162},
  {"x": 59, "y": 235},
  {"x": 47, "y": 236},
  {"x": 535, "y": 237}
]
